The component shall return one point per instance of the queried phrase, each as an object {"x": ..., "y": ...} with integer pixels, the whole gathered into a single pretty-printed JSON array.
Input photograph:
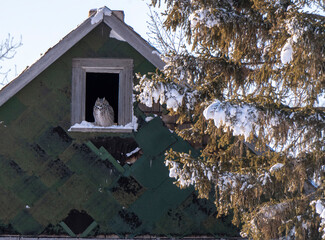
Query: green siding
[
  {"x": 150, "y": 172},
  {"x": 53, "y": 171},
  {"x": 157, "y": 143},
  {"x": 25, "y": 224},
  {"x": 29, "y": 189},
  {"x": 10, "y": 205},
  {"x": 11, "y": 110}
]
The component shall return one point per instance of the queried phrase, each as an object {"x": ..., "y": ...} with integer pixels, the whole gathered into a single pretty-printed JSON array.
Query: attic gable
[{"x": 103, "y": 15}]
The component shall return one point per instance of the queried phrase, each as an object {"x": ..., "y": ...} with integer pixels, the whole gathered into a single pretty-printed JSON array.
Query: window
[
  {"x": 101, "y": 77},
  {"x": 102, "y": 85}
]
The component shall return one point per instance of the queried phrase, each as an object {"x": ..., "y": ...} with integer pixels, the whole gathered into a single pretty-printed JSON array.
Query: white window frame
[{"x": 123, "y": 67}]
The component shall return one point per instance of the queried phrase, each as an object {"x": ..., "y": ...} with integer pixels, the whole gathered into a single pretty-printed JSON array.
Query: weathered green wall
[{"x": 53, "y": 171}]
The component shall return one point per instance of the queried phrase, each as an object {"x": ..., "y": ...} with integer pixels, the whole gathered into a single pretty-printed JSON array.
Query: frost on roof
[
  {"x": 156, "y": 53},
  {"x": 115, "y": 35},
  {"x": 100, "y": 14}
]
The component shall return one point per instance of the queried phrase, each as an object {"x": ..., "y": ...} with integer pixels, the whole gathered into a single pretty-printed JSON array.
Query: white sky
[{"x": 42, "y": 23}]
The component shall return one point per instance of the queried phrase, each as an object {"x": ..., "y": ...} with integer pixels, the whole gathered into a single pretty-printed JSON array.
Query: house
[{"x": 62, "y": 175}]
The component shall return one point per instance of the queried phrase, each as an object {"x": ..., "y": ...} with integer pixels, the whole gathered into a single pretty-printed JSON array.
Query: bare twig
[
  {"x": 160, "y": 37},
  {"x": 7, "y": 51}
]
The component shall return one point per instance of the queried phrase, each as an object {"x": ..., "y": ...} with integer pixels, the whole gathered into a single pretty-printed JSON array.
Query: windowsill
[{"x": 85, "y": 126}]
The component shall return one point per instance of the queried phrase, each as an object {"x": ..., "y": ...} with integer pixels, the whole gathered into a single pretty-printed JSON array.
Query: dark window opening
[
  {"x": 101, "y": 85},
  {"x": 77, "y": 221}
]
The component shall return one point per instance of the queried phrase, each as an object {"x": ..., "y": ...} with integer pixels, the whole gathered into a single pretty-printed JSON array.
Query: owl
[{"x": 103, "y": 113}]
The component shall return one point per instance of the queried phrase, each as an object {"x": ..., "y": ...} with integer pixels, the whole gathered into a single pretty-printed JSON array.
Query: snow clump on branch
[
  {"x": 276, "y": 167},
  {"x": 320, "y": 210},
  {"x": 203, "y": 16},
  {"x": 295, "y": 34},
  {"x": 191, "y": 171},
  {"x": 170, "y": 94},
  {"x": 240, "y": 119},
  {"x": 248, "y": 121},
  {"x": 185, "y": 174},
  {"x": 211, "y": 17}
]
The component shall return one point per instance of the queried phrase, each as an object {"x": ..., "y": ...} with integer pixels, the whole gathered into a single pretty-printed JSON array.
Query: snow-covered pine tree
[{"x": 252, "y": 92}]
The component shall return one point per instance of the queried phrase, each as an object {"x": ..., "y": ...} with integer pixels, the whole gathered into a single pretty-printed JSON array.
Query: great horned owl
[{"x": 103, "y": 113}]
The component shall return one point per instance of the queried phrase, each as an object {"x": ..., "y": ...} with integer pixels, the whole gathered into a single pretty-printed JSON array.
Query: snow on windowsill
[{"x": 85, "y": 126}]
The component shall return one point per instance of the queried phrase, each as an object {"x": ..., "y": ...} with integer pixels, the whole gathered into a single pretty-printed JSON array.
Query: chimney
[
  {"x": 92, "y": 12},
  {"x": 117, "y": 13}
]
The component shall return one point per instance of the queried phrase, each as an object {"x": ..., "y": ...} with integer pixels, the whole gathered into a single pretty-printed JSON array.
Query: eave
[{"x": 122, "y": 29}]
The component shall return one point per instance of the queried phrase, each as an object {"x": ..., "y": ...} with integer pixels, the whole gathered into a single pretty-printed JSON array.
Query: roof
[{"x": 103, "y": 15}]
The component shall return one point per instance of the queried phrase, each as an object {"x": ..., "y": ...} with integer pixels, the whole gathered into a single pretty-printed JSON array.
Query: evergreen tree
[{"x": 251, "y": 93}]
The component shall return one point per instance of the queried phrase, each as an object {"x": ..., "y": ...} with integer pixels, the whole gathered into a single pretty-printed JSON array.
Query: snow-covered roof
[{"x": 119, "y": 28}]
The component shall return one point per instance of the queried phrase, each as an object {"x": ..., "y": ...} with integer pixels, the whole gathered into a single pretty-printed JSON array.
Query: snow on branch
[
  {"x": 276, "y": 167},
  {"x": 240, "y": 119},
  {"x": 295, "y": 32},
  {"x": 192, "y": 171},
  {"x": 170, "y": 94},
  {"x": 320, "y": 210},
  {"x": 204, "y": 16},
  {"x": 211, "y": 17},
  {"x": 293, "y": 132}
]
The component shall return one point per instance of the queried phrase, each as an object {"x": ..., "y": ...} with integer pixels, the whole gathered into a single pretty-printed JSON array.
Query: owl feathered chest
[{"x": 103, "y": 113}]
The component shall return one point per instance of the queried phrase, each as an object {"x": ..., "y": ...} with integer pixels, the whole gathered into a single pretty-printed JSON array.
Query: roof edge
[
  {"x": 105, "y": 15},
  {"x": 46, "y": 60},
  {"x": 135, "y": 40}
]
